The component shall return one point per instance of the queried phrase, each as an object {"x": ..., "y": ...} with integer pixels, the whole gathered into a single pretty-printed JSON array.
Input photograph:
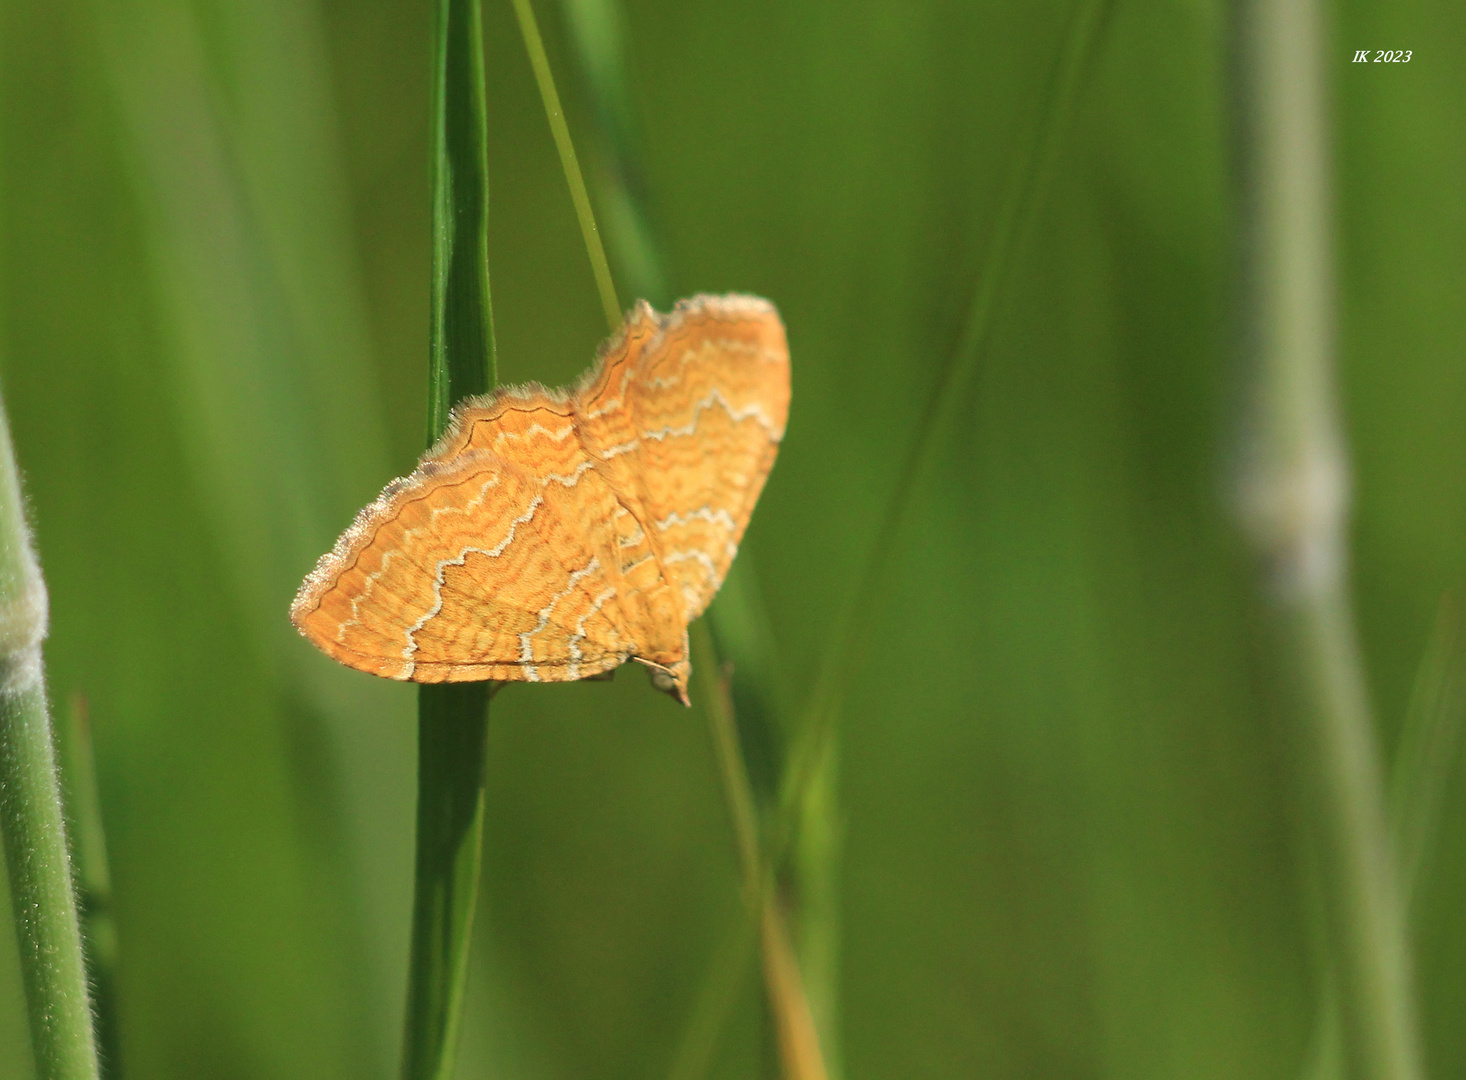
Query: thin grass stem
[
  {"x": 44, "y": 905},
  {"x": 1292, "y": 506},
  {"x": 535, "y": 46},
  {"x": 731, "y": 766},
  {"x": 798, "y": 1041},
  {"x": 741, "y": 628},
  {"x": 452, "y": 719},
  {"x": 800, "y": 1055},
  {"x": 595, "y": 30}
]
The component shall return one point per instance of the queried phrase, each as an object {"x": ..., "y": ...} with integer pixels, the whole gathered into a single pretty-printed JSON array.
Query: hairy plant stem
[{"x": 44, "y": 905}]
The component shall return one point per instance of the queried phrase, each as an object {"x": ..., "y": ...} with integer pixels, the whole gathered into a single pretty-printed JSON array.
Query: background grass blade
[
  {"x": 258, "y": 432},
  {"x": 452, "y": 718},
  {"x": 93, "y": 878},
  {"x": 1292, "y": 499},
  {"x": 31, "y": 820},
  {"x": 1427, "y": 756},
  {"x": 807, "y": 784},
  {"x": 1032, "y": 174},
  {"x": 716, "y": 997},
  {"x": 1429, "y": 750}
]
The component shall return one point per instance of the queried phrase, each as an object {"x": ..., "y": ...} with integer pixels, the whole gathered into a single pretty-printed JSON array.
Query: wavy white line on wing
[
  {"x": 371, "y": 580},
  {"x": 752, "y": 411},
  {"x": 702, "y": 513},
  {"x": 410, "y": 650},
  {"x": 526, "y": 647}
]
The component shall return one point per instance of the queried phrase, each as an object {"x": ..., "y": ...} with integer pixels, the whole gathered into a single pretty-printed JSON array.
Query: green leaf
[{"x": 452, "y": 719}]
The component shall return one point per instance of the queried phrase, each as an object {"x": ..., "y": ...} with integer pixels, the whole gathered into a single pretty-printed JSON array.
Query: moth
[{"x": 553, "y": 535}]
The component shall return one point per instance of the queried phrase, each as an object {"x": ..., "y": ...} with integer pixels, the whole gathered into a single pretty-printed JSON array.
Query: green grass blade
[
  {"x": 1292, "y": 506},
  {"x": 244, "y": 267},
  {"x": 452, "y": 731},
  {"x": 46, "y": 923},
  {"x": 1033, "y": 172},
  {"x": 461, "y": 344},
  {"x": 1429, "y": 748},
  {"x": 535, "y": 46},
  {"x": 243, "y": 215},
  {"x": 807, "y": 789},
  {"x": 452, "y": 719}
]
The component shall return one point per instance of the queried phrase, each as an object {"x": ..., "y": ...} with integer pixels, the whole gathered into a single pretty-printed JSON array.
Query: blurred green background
[{"x": 1066, "y": 848}]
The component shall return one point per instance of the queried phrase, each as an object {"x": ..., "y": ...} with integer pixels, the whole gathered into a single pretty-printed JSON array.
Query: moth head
[{"x": 670, "y": 678}]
